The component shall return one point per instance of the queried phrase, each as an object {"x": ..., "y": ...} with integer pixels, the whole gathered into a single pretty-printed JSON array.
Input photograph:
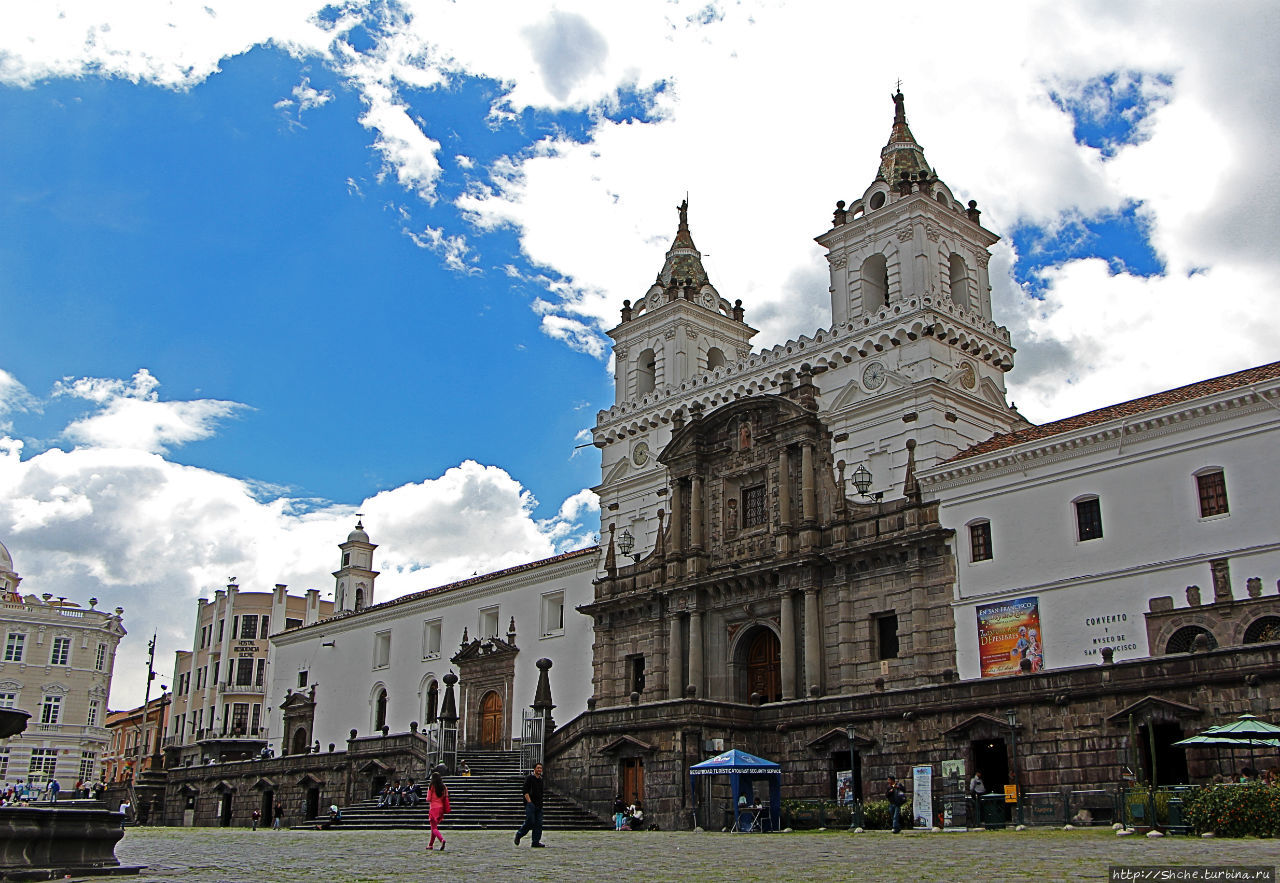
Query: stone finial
[
  {"x": 413, "y": 727},
  {"x": 449, "y": 706},
  {"x": 351, "y": 736},
  {"x": 635, "y": 698},
  {"x": 465, "y": 639},
  {"x": 1193, "y": 596},
  {"x": 1024, "y": 667},
  {"x": 838, "y": 216},
  {"x": 911, "y": 487},
  {"x": 1160, "y": 604},
  {"x": 511, "y": 631},
  {"x": 1254, "y": 585},
  {"x": 972, "y": 212},
  {"x": 691, "y": 691},
  {"x": 660, "y": 544},
  {"x": 1108, "y": 655},
  {"x": 591, "y": 703},
  {"x": 738, "y": 312},
  {"x": 677, "y": 421},
  {"x": 626, "y": 311},
  {"x": 542, "y": 695},
  {"x": 610, "y": 557}
]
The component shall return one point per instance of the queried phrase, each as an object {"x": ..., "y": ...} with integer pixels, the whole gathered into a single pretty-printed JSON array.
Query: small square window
[
  {"x": 1089, "y": 519},
  {"x": 980, "y": 541},
  {"x": 1212, "y": 487}
]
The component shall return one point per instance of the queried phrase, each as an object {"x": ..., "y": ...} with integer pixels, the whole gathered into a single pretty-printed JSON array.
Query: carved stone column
[
  {"x": 784, "y": 490},
  {"x": 812, "y": 641},
  {"x": 675, "y": 658},
  {"x": 677, "y": 518},
  {"x": 695, "y": 650},
  {"x": 787, "y": 662},
  {"x": 808, "y": 493}
]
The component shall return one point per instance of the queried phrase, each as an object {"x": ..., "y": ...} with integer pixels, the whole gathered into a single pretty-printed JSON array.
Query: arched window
[
  {"x": 646, "y": 372},
  {"x": 715, "y": 358},
  {"x": 342, "y": 596},
  {"x": 1262, "y": 630},
  {"x": 300, "y": 743},
  {"x": 1182, "y": 640},
  {"x": 875, "y": 283},
  {"x": 359, "y": 598},
  {"x": 960, "y": 282},
  {"x": 380, "y": 710},
  {"x": 433, "y": 702}
]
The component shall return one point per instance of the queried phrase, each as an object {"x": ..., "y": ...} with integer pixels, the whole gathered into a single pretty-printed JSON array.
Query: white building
[
  {"x": 383, "y": 665},
  {"x": 56, "y": 665},
  {"x": 1084, "y": 520}
]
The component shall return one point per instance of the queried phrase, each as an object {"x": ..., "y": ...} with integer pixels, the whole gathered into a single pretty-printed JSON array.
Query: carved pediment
[{"x": 483, "y": 648}]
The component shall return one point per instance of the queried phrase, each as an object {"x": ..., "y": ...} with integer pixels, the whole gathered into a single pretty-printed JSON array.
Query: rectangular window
[
  {"x": 4, "y": 764},
  {"x": 88, "y": 760},
  {"x": 489, "y": 622},
  {"x": 553, "y": 614},
  {"x": 292, "y": 623},
  {"x": 382, "y": 649},
  {"x": 92, "y": 718},
  {"x": 1089, "y": 518},
  {"x": 214, "y": 676},
  {"x": 302, "y": 679},
  {"x": 244, "y": 672},
  {"x": 235, "y": 626},
  {"x": 221, "y": 623},
  {"x": 753, "y": 506},
  {"x": 8, "y": 700},
  {"x": 51, "y": 709},
  {"x": 255, "y": 719},
  {"x": 1213, "y": 493},
  {"x": 887, "y": 636},
  {"x": 44, "y": 763},
  {"x": 261, "y": 676},
  {"x": 240, "y": 718},
  {"x": 635, "y": 673},
  {"x": 100, "y": 658},
  {"x": 61, "y": 651},
  {"x": 431, "y": 639},
  {"x": 980, "y": 541},
  {"x": 266, "y": 628},
  {"x": 13, "y": 647},
  {"x": 248, "y": 627}
]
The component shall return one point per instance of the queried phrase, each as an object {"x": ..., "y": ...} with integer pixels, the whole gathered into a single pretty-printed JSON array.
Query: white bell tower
[{"x": 353, "y": 588}]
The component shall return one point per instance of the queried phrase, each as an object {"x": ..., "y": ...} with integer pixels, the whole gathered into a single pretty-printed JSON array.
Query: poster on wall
[
  {"x": 922, "y": 796},
  {"x": 1009, "y": 632},
  {"x": 844, "y": 788}
]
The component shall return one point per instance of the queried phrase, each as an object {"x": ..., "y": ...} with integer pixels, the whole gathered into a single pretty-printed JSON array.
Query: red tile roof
[{"x": 1125, "y": 409}]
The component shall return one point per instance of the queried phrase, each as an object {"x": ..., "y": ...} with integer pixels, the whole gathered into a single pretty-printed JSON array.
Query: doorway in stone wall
[
  {"x": 632, "y": 778},
  {"x": 224, "y": 809},
  {"x": 1170, "y": 760},
  {"x": 764, "y": 666},
  {"x": 991, "y": 758},
  {"x": 313, "y": 803},
  {"x": 267, "y": 804},
  {"x": 491, "y": 720},
  {"x": 300, "y": 745}
]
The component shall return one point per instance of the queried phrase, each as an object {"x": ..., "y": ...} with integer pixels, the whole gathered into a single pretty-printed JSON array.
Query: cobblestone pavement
[{"x": 219, "y": 855}]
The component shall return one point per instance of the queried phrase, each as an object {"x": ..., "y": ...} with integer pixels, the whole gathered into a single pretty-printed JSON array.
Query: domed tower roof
[
  {"x": 6, "y": 560},
  {"x": 902, "y": 155},
  {"x": 684, "y": 261},
  {"x": 358, "y": 535}
]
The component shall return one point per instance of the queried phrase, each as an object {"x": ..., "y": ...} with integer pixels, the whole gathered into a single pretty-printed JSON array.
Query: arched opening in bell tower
[
  {"x": 960, "y": 282},
  {"x": 875, "y": 284},
  {"x": 715, "y": 358},
  {"x": 646, "y": 372}
]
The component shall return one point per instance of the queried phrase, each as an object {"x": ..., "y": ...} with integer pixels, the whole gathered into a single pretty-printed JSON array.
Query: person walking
[
  {"x": 254, "y": 817},
  {"x": 619, "y": 813},
  {"x": 532, "y": 808},
  {"x": 977, "y": 788},
  {"x": 896, "y": 797},
  {"x": 438, "y": 798},
  {"x": 277, "y": 816}
]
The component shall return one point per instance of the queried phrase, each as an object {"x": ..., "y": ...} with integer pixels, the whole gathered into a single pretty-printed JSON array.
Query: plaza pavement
[{"x": 238, "y": 855}]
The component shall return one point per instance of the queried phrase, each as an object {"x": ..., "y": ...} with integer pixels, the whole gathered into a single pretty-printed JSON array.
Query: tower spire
[
  {"x": 902, "y": 156},
  {"x": 683, "y": 264}
]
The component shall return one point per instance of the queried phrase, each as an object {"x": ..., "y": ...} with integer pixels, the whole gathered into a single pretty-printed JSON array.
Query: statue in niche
[
  {"x": 744, "y": 435},
  {"x": 731, "y": 518}
]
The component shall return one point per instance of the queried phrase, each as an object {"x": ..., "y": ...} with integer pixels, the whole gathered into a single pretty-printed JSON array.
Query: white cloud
[
  {"x": 13, "y": 397},
  {"x": 453, "y": 250},
  {"x": 130, "y": 414}
]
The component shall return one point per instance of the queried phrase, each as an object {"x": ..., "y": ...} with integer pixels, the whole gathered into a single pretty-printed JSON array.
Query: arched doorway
[
  {"x": 491, "y": 720},
  {"x": 299, "y": 741},
  {"x": 380, "y": 710},
  {"x": 764, "y": 665}
]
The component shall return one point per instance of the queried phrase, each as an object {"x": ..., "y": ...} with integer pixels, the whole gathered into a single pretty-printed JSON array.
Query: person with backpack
[
  {"x": 438, "y": 797},
  {"x": 896, "y": 796}
]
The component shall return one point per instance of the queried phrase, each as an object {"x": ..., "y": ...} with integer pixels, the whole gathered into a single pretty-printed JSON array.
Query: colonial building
[
  {"x": 220, "y": 699},
  {"x": 136, "y": 740},
  {"x": 57, "y": 664}
]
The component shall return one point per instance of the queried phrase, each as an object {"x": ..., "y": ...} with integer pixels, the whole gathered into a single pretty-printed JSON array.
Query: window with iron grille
[
  {"x": 753, "y": 506},
  {"x": 1213, "y": 493},
  {"x": 1089, "y": 518},
  {"x": 980, "y": 541}
]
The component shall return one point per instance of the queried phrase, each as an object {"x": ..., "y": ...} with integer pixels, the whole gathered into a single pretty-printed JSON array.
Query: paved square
[{"x": 237, "y": 855}]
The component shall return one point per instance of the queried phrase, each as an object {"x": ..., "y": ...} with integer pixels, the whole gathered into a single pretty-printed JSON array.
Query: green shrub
[
  {"x": 878, "y": 815},
  {"x": 803, "y": 814},
  {"x": 1236, "y": 810}
]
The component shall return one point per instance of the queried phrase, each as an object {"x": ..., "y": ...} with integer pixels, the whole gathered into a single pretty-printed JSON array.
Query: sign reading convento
[{"x": 1009, "y": 632}]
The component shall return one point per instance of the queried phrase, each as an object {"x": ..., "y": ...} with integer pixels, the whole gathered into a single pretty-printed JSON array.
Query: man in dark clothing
[
  {"x": 532, "y": 808},
  {"x": 896, "y": 797}
]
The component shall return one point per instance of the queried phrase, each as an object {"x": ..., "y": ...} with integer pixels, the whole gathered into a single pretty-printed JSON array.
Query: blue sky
[{"x": 262, "y": 268}]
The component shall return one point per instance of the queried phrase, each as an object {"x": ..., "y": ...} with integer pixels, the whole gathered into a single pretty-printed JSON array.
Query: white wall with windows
[
  {"x": 1095, "y": 520},
  {"x": 410, "y": 641}
]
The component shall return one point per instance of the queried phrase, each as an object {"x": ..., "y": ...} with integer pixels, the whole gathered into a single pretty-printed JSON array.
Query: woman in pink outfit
[{"x": 438, "y": 797}]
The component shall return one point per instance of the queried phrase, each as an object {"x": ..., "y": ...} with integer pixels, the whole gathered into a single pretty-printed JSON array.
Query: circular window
[{"x": 877, "y": 200}]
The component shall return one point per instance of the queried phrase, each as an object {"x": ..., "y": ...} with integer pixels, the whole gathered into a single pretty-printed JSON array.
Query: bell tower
[
  {"x": 909, "y": 285},
  {"x": 353, "y": 588},
  {"x": 680, "y": 335}
]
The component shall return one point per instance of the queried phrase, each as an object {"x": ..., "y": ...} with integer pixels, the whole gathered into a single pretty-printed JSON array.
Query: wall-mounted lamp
[
  {"x": 626, "y": 543},
  {"x": 862, "y": 483}
]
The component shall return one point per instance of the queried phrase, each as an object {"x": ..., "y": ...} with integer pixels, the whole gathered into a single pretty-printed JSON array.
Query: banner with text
[{"x": 1009, "y": 632}]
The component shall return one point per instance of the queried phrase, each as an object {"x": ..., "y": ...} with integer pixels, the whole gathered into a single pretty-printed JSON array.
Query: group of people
[
  {"x": 50, "y": 791},
  {"x": 277, "y": 817},
  {"x": 399, "y": 794},
  {"x": 628, "y": 817}
]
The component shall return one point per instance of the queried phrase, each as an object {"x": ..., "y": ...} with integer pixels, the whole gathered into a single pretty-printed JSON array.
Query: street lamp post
[
  {"x": 1012, "y": 718},
  {"x": 142, "y": 727}
]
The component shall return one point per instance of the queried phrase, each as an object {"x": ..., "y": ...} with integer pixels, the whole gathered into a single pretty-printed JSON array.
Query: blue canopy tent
[{"x": 743, "y": 770}]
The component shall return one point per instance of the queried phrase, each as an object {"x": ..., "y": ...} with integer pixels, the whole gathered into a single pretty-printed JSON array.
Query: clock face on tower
[
  {"x": 640, "y": 454},
  {"x": 873, "y": 376}
]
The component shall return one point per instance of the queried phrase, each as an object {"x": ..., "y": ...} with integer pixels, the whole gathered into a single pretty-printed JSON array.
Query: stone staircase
[{"x": 488, "y": 798}]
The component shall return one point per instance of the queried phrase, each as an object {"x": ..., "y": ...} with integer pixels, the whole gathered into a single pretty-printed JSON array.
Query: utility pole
[{"x": 142, "y": 728}]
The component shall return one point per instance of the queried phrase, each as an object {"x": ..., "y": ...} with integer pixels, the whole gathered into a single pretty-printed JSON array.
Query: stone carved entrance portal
[{"x": 491, "y": 720}]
